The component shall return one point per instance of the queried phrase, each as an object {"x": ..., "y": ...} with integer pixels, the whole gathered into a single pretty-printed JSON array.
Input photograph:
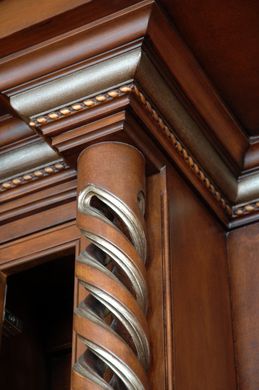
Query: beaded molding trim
[
  {"x": 127, "y": 89},
  {"x": 33, "y": 175},
  {"x": 79, "y": 106},
  {"x": 245, "y": 209}
]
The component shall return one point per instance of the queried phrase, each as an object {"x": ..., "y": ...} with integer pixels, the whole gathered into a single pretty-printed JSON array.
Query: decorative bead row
[
  {"x": 34, "y": 175},
  {"x": 246, "y": 209},
  {"x": 79, "y": 106}
]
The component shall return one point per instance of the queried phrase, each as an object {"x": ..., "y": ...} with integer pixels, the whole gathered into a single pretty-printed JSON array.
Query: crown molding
[
  {"x": 75, "y": 46},
  {"x": 73, "y": 87},
  {"x": 78, "y": 88}
]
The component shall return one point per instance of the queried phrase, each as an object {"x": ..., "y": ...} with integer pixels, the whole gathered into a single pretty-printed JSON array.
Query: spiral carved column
[{"x": 111, "y": 320}]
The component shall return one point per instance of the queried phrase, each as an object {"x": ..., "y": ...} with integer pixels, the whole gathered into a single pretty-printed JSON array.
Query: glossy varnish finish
[
  {"x": 161, "y": 371},
  {"x": 202, "y": 326},
  {"x": 164, "y": 105},
  {"x": 223, "y": 37},
  {"x": 112, "y": 269},
  {"x": 31, "y": 81},
  {"x": 243, "y": 246}
]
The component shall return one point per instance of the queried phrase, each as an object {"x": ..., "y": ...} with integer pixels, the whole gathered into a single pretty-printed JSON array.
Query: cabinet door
[{"x": 2, "y": 301}]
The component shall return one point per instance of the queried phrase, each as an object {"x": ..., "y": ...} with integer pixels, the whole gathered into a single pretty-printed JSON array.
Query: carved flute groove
[{"x": 111, "y": 320}]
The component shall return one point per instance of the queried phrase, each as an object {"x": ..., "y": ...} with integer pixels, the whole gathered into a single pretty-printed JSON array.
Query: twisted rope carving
[{"x": 111, "y": 321}]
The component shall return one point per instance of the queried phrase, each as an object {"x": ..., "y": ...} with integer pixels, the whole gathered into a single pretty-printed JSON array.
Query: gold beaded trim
[
  {"x": 246, "y": 209},
  {"x": 79, "y": 106},
  {"x": 33, "y": 175}
]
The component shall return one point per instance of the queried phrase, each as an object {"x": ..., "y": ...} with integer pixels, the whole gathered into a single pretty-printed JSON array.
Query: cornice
[
  {"x": 40, "y": 122},
  {"x": 75, "y": 87},
  {"x": 196, "y": 169},
  {"x": 64, "y": 91},
  {"x": 124, "y": 67},
  {"x": 73, "y": 47}
]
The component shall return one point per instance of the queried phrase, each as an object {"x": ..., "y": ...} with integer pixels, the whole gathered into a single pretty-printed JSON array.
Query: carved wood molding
[
  {"x": 80, "y": 106},
  {"x": 30, "y": 176},
  {"x": 42, "y": 121},
  {"x": 173, "y": 89},
  {"x": 110, "y": 320}
]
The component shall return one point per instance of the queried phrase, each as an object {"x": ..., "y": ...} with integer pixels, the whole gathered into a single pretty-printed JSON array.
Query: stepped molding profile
[{"x": 57, "y": 91}]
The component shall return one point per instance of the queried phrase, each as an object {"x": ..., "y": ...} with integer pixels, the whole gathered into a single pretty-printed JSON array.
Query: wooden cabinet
[{"x": 128, "y": 204}]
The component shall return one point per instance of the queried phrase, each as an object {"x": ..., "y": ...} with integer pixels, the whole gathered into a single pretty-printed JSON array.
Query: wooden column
[{"x": 110, "y": 320}]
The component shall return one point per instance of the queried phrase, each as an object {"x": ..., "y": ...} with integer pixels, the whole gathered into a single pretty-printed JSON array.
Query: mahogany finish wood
[
  {"x": 35, "y": 13},
  {"x": 110, "y": 319},
  {"x": 161, "y": 371},
  {"x": 30, "y": 75},
  {"x": 178, "y": 82},
  {"x": 223, "y": 37},
  {"x": 243, "y": 246},
  {"x": 202, "y": 320}
]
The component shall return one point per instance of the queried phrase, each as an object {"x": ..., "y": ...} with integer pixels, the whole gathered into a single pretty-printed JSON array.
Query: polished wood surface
[
  {"x": 33, "y": 13},
  {"x": 202, "y": 324},
  {"x": 243, "y": 246},
  {"x": 111, "y": 318},
  {"x": 170, "y": 79},
  {"x": 161, "y": 371},
  {"x": 223, "y": 37},
  {"x": 59, "y": 24},
  {"x": 139, "y": 40}
]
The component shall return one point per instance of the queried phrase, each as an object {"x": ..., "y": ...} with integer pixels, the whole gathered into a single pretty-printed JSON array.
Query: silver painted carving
[{"x": 112, "y": 261}]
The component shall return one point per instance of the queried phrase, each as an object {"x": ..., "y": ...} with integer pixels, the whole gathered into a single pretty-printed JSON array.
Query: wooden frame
[{"x": 21, "y": 253}]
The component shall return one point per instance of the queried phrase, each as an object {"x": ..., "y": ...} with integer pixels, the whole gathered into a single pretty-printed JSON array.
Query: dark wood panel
[
  {"x": 33, "y": 13},
  {"x": 161, "y": 369},
  {"x": 224, "y": 38},
  {"x": 47, "y": 218},
  {"x": 203, "y": 342},
  {"x": 35, "y": 246},
  {"x": 243, "y": 246}
]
